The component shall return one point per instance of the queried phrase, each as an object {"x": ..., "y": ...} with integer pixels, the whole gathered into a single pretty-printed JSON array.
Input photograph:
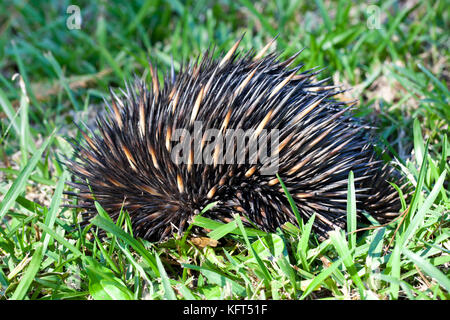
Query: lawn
[{"x": 56, "y": 70}]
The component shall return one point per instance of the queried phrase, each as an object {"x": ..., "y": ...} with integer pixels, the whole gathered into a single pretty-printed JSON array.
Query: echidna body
[{"x": 131, "y": 162}]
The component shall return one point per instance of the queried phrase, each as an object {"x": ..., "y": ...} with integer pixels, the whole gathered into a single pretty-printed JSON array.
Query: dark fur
[{"x": 151, "y": 194}]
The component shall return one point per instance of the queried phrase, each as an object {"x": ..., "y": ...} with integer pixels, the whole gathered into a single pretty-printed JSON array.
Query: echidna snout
[{"x": 149, "y": 157}]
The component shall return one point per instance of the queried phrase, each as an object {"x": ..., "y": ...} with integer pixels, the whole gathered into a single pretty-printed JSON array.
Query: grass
[{"x": 397, "y": 66}]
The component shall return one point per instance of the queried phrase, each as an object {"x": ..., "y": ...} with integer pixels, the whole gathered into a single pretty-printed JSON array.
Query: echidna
[{"x": 160, "y": 153}]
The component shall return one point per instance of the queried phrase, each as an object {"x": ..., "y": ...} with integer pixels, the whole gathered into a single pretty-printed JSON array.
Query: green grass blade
[
  {"x": 419, "y": 146},
  {"x": 213, "y": 225},
  {"x": 60, "y": 239},
  {"x": 186, "y": 293},
  {"x": 435, "y": 80},
  {"x": 223, "y": 230},
  {"x": 169, "y": 294},
  {"x": 219, "y": 279},
  {"x": 9, "y": 111},
  {"x": 147, "y": 8},
  {"x": 198, "y": 217},
  {"x": 54, "y": 207},
  {"x": 109, "y": 226},
  {"x": 57, "y": 68},
  {"x": 24, "y": 136},
  {"x": 321, "y": 277},
  {"x": 291, "y": 202},
  {"x": 29, "y": 275},
  {"x": 429, "y": 269},
  {"x": 420, "y": 183},
  {"x": 19, "y": 184},
  {"x": 343, "y": 250},
  {"x": 130, "y": 258},
  {"x": 304, "y": 239},
  {"x": 103, "y": 284},
  {"x": 266, "y": 24},
  {"x": 351, "y": 212},
  {"x": 262, "y": 267},
  {"x": 106, "y": 255},
  {"x": 418, "y": 218},
  {"x": 33, "y": 177},
  {"x": 324, "y": 13}
]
